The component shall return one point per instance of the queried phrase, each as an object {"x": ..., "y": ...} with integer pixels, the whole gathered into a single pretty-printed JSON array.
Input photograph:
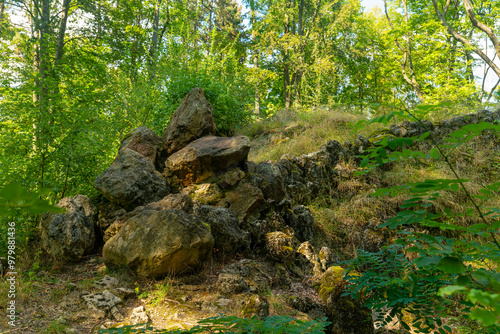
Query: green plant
[
  {"x": 160, "y": 293},
  {"x": 465, "y": 265},
  {"x": 55, "y": 327},
  {"x": 230, "y": 324}
]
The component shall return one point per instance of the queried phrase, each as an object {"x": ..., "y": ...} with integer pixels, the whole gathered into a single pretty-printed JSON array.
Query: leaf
[
  {"x": 452, "y": 265},
  {"x": 451, "y": 290},
  {"x": 486, "y": 317},
  {"x": 434, "y": 153}
]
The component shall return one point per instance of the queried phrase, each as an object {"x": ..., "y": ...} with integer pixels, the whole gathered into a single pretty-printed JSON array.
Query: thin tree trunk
[
  {"x": 153, "y": 51},
  {"x": 255, "y": 58},
  {"x": 2, "y": 11},
  {"x": 463, "y": 40},
  {"x": 62, "y": 33},
  {"x": 407, "y": 60}
]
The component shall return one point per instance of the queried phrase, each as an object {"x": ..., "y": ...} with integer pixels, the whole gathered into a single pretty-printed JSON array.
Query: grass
[{"x": 298, "y": 133}]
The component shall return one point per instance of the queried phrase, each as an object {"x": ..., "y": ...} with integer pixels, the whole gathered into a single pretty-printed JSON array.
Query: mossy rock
[
  {"x": 255, "y": 305},
  {"x": 347, "y": 315}
]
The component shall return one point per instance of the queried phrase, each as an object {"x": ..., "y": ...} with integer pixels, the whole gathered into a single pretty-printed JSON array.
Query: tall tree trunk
[
  {"x": 298, "y": 72},
  {"x": 62, "y": 33},
  {"x": 286, "y": 64},
  {"x": 407, "y": 59},
  {"x": 2, "y": 11},
  {"x": 153, "y": 50},
  {"x": 255, "y": 58},
  {"x": 470, "y": 13}
]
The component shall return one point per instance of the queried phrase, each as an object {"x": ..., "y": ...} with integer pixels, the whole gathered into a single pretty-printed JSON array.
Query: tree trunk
[
  {"x": 463, "y": 40},
  {"x": 153, "y": 50},
  {"x": 2, "y": 11},
  {"x": 286, "y": 65},
  {"x": 62, "y": 33},
  {"x": 255, "y": 58}
]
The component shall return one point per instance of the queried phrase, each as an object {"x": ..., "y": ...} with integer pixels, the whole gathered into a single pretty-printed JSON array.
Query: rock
[
  {"x": 132, "y": 180},
  {"x": 244, "y": 200},
  {"x": 193, "y": 119},
  {"x": 139, "y": 316},
  {"x": 347, "y": 315},
  {"x": 273, "y": 186},
  {"x": 229, "y": 283},
  {"x": 204, "y": 194},
  {"x": 142, "y": 140},
  {"x": 205, "y": 157},
  {"x": 308, "y": 251},
  {"x": 225, "y": 228},
  {"x": 69, "y": 236},
  {"x": 109, "y": 212},
  {"x": 325, "y": 257},
  {"x": 302, "y": 222},
  {"x": 157, "y": 243},
  {"x": 279, "y": 246},
  {"x": 255, "y": 306},
  {"x": 174, "y": 201},
  {"x": 104, "y": 300},
  {"x": 107, "y": 282},
  {"x": 231, "y": 178},
  {"x": 124, "y": 293}
]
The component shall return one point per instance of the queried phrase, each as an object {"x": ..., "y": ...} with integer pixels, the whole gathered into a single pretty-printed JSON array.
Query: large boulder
[
  {"x": 142, "y": 140},
  {"x": 193, "y": 119},
  {"x": 158, "y": 243},
  {"x": 348, "y": 316},
  {"x": 132, "y": 180},
  {"x": 69, "y": 236},
  {"x": 225, "y": 227},
  {"x": 207, "y": 156}
]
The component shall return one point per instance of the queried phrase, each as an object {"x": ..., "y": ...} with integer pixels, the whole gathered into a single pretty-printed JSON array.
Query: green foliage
[
  {"x": 231, "y": 324},
  {"x": 390, "y": 280},
  {"x": 467, "y": 264}
]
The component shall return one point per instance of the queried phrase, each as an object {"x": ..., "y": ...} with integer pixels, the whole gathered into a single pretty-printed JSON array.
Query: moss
[{"x": 330, "y": 281}]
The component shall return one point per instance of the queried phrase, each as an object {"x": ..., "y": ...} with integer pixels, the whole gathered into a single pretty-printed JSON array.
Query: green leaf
[
  {"x": 434, "y": 153},
  {"x": 451, "y": 265},
  {"x": 451, "y": 290},
  {"x": 486, "y": 317}
]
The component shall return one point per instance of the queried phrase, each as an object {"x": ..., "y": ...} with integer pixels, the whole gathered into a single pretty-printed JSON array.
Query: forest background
[{"x": 77, "y": 75}]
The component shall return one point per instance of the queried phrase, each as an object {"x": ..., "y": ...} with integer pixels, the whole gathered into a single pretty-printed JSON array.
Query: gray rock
[
  {"x": 142, "y": 140},
  {"x": 109, "y": 212},
  {"x": 107, "y": 282},
  {"x": 302, "y": 222},
  {"x": 104, "y": 300},
  {"x": 132, "y": 180},
  {"x": 68, "y": 236},
  {"x": 139, "y": 316},
  {"x": 193, "y": 119},
  {"x": 205, "y": 157},
  {"x": 273, "y": 186},
  {"x": 157, "y": 243},
  {"x": 225, "y": 228}
]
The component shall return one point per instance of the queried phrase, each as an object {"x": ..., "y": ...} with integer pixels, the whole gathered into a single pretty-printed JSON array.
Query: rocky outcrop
[
  {"x": 193, "y": 119},
  {"x": 205, "y": 157},
  {"x": 244, "y": 200},
  {"x": 69, "y": 236},
  {"x": 132, "y": 180},
  {"x": 348, "y": 316},
  {"x": 229, "y": 239},
  {"x": 158, "y": 243},
  {"x": 142, "y": 140}
]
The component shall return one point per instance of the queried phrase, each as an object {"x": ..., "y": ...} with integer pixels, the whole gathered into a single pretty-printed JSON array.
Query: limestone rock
[
  {"x": 244, "y": 200},
  {"x": 104, "y": 300},
  {"x": 302, "y": 222},
  {"x": 204, "y": 194},
  {"x": 142, "y": 140},
  {"x": 207, "y": 156},
  {"x": 173, "y": 201},
  {"x": 255, "y": 305},
  {"x": 307, "y": 249},
  {"x": 231, "y": 178},
  {"x": 157, "y": 243},
  {"x": 109, "y": 212},
  {"x": 273, "y": 186},
  {"x": 139, "y": 316},
  {"x": 279, "y": 246},
  {"x": 193, "y": 119},
  {"x": 132, "y": 180},
  {"x": 68, "y": 236},
  {"x": 347, "y": 315},
  {"x": 325, "y": 257},
  {"x": 225, "y": 228}
]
